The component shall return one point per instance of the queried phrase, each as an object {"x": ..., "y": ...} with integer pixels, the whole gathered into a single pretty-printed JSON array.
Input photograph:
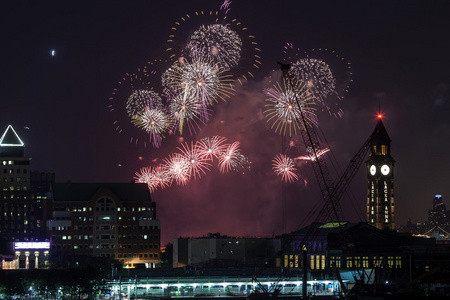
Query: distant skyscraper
[
  {"x": 21, "y": 213},
  {"x": 437, "y": 216},
  {"x": 380, "y": 172}
]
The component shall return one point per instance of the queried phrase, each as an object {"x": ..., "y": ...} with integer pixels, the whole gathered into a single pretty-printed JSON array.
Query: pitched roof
[
  {"x": 379, "y": 135},
  {"x": 68, "y": 192}
]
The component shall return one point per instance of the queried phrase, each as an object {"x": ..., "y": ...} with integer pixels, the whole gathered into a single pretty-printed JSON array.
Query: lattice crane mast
[{"x": 331, "y": 192}]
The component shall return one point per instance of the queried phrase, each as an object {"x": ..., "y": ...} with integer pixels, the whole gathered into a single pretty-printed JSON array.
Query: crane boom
[{"x": 331, "y": 192}]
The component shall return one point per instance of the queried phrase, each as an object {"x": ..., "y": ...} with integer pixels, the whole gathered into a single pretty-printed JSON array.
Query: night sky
[{"x": 399, "y": 55}]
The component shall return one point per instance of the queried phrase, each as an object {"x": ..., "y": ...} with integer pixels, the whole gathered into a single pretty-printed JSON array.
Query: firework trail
[
  {"x": 289, "y": 106},
  {"x": 226, "y": 6},
  {"x": 311, "y": 156},
  {"x": 285, "y": 167}
]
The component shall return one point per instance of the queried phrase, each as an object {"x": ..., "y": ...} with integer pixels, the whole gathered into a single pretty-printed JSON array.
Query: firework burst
[
  {"x": 317, "y": 75},
  {"x": 132, "y": 103},
  {"x": 216, "y": 36},
  {"x": 155, "y": 178},
  {"x": 196, "y": 159},
  {"x": 328, "y": 75},
  {"x": 139, "y": 100},
  {"x": 212, "y": 146},
  {"x": 232, "y": 159},
  {"x": 218, "y": 43},
  {"x": 289, "y": 107},
  {"x": 185, "y": 110},
  {"x": 177, "y": 168},
  {"x": 155, "y": 122},
  {"x": 201, "y": 80},
  {"x": 285, "y": 167}
]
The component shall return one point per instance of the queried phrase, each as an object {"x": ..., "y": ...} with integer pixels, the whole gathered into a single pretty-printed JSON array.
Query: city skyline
[{"x": 58, "y": 102}]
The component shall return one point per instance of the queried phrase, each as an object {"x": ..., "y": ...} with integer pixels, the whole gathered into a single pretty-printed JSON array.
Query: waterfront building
[
  {"x": 215, "y": 250},
  {"x": 111, "y": 220}
]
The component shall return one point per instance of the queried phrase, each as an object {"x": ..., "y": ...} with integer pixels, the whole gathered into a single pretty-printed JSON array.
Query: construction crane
[{"x": 331, "y": 192}]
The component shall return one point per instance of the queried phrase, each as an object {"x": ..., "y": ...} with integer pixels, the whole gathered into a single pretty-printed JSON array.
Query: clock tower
[{"x": 380, "y": 173}]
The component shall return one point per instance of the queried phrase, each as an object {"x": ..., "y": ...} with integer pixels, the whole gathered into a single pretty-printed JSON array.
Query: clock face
[
  {"x": 373, "y": 170},
  {"x": 385, "y": 169}
]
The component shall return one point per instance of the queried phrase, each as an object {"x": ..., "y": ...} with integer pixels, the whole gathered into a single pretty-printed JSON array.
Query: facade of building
[
  {"x": 380, "y": 173},
  {"x": 215, "y": 250},
  {"x": 112, "y": 220},
  {"x": 21, "y": 212},
  {"x": 359, "y": 248}
]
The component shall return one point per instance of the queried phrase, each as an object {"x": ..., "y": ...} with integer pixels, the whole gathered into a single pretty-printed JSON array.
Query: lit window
[
  {"x": 349, "y": 262},
  {"x": 398, "y": 262},
  {"x": 365, "y": 262},
  {"x": 390, "y": 261}
]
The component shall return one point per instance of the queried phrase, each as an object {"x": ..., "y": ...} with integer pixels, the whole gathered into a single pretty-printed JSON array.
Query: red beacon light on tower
[{"x": 380, "y": 116}]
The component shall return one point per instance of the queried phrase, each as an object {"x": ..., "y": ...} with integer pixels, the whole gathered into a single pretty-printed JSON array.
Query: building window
[
  {"x": 349, "y": 263},
  {"x": 390, "y": 262},
  {"x": 357, "y": 261},
  {"x": 365, "y": 262},
  {"x": 398, "y": 262},
  {"x": 378, "y": 261}
]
